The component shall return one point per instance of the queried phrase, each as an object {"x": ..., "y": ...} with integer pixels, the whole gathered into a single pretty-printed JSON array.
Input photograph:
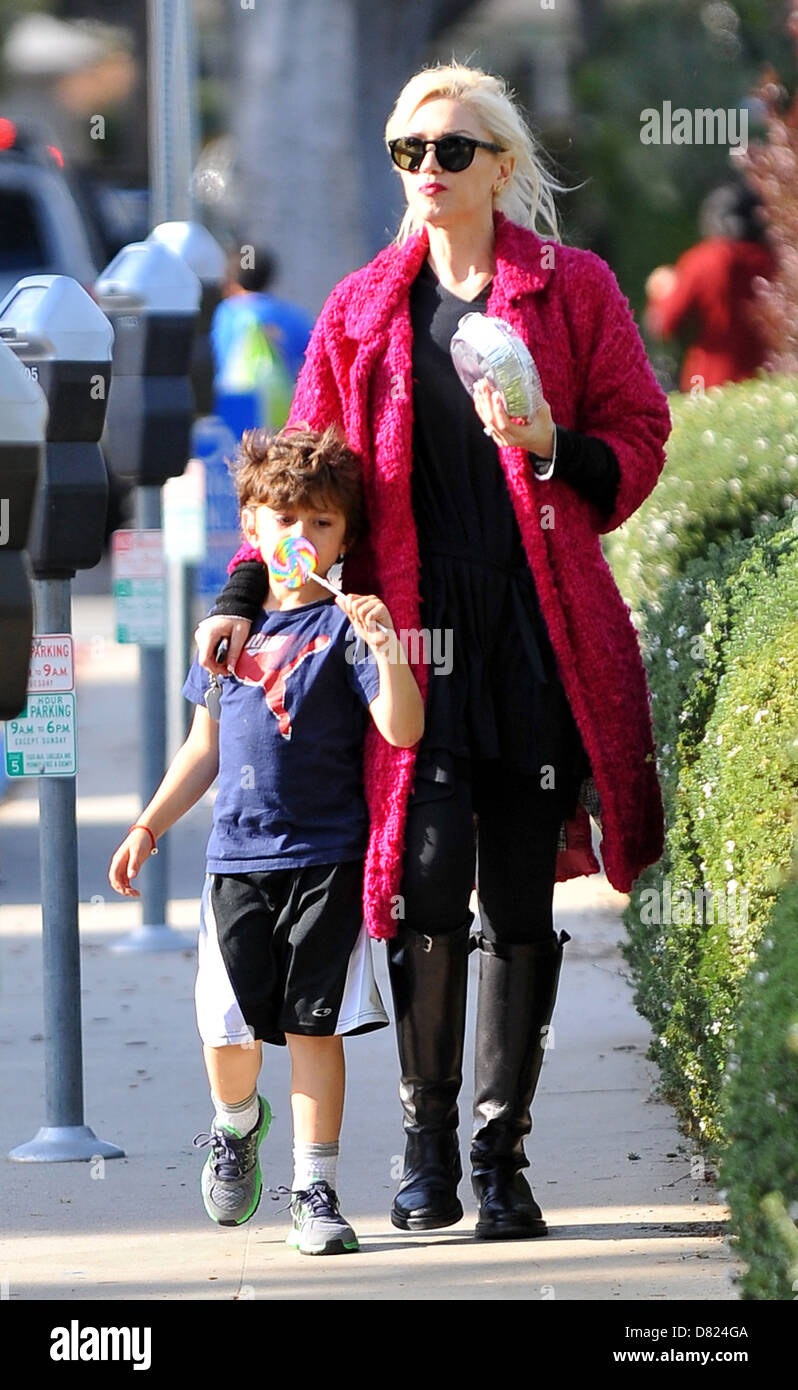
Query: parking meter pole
[
  {"x": 152, "y": 298},
  {"x": 64, "y": 341},
  {"x": 64, "y": 1136},
  {"x": 154, "y": 934},
  {"x": 180, "y": 594},
  {"x": 202, "y": 253}
]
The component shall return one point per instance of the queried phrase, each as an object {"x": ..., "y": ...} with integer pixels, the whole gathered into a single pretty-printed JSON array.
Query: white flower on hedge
[
  {"x": 759, "y": 716},
  {"x": 731, "y": 885},
  {"x": 719, "y": 738},
  {"x": 735, "y": 487},
  {"x": 760, "y": 443},
  {"x": 729, "y": 867},
  {"x": 708, "y": 436},
  {"x": 715, "y": 1027},
  {"x": 761, "y": 976},
  {"x": 662, "y": 1040},
  {"x": 730, "y": 844},
  {"x": 681, "y": 630},
  {"x": 707, "y": 789},
  {"x": 700, "y": 813}
]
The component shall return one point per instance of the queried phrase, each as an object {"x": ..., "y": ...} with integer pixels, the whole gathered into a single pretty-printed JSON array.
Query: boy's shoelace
[
  {"x": 228, "y": 1161},
  {"x": 277, "y": 1192},
  {"x": 320, "y": 1198}
]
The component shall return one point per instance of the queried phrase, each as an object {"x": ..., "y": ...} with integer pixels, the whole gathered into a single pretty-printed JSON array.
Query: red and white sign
[
  {"x": 52, "y": 663},
  {"x": 137, "y": 555}
]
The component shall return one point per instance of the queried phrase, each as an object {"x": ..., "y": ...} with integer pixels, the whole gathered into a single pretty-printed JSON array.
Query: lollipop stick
[{"x": 327, "y": 585}]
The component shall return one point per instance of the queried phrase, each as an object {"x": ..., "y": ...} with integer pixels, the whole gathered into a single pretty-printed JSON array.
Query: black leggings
[{"x": 512, "y": 845}]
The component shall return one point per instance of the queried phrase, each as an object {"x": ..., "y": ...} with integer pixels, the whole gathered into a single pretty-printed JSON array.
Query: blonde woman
[{"x": 486, "y": 531}]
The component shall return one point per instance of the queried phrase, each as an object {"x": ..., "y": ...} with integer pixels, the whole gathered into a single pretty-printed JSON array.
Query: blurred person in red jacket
[{"x": 711, "y": 288}]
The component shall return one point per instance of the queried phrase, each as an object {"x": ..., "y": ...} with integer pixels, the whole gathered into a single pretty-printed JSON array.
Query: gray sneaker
[
  {"x": 231, "y": 1181},
  {"x": 318, "y": 1226}
]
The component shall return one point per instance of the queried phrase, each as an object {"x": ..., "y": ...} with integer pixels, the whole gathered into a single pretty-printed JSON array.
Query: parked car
[
  {"x": 41, "y": 226},
  {"x": 62, "y": 222}
]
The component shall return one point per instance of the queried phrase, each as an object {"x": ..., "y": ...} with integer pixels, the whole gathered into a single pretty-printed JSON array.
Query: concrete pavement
[{"x": 609, "y": 1166}]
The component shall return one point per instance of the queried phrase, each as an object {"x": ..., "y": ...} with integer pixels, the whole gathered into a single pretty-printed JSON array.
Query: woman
[
  {"x": 489, "y": 528},
  {"x": 711, "y": 289}
]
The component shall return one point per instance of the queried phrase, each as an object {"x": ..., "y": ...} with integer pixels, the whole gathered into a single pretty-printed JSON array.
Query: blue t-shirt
[
  {"x": 288, "y": 326},
  {"x": 291, "y": 743}
]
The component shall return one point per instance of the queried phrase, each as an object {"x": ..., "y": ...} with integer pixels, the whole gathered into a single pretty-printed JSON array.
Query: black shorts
[{"x": 285, "y": 951}]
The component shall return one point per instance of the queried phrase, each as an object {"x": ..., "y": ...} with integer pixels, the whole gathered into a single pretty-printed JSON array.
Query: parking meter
[
  {"x": 23, "y": 423},
  {"x": 151, "y": 297},
  {"x": 64, "y": 341},
  {"x": 195, "y": 245}
]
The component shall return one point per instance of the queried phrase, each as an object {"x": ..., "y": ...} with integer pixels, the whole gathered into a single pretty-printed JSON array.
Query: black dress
[{"x": 503, "y": 698}]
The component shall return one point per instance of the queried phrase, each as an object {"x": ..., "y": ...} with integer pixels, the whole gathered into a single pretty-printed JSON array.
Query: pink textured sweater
[{"x": 568, "y": 307}]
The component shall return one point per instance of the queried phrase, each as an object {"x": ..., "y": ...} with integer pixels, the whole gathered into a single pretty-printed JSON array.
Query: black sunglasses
[{"x": 453, "y": 152}]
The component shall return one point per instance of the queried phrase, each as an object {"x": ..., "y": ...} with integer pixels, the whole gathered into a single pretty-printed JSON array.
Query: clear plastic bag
[{"x": 487, "y": 347}]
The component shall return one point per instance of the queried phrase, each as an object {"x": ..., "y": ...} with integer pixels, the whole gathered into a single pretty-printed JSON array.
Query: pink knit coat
[{"x": 567, "y": 306}]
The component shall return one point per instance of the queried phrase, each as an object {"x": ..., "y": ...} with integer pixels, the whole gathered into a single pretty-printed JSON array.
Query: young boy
[{"x": 281, "y": 938}]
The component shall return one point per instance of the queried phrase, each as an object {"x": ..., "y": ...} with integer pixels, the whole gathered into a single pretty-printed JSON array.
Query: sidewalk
[{"x": 609, "y": 1167}]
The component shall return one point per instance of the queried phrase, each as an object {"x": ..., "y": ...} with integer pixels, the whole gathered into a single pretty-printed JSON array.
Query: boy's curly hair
[{"x": 300, "y": 467}]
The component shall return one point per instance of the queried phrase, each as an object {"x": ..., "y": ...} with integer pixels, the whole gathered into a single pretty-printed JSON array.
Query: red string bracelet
[{"x": 149, "y": 832}]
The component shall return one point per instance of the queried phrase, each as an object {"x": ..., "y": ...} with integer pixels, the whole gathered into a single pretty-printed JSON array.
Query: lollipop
[{"x": 295, "y": 561}]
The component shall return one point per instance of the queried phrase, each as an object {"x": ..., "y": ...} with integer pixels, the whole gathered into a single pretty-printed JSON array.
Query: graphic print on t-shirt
[{"x": 268, "y": 662}]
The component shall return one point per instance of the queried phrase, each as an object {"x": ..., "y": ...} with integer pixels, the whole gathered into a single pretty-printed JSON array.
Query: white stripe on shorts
[
  {"x": 219, "y": 1017},
  {"x": 361, "y": 1003}
]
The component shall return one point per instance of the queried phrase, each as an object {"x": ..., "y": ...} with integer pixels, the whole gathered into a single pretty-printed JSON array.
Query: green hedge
[
  {"x": 722, "y": 637},
  {"x": 760, "y": 1111},
  {"x": 710, "y": 567},
  {"x": 732, "y": 458}
]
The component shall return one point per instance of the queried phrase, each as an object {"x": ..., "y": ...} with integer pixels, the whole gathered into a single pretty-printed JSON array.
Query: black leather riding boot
[
  {"x": 517, "y": 992},
  {"x": 428, "y": 979}
]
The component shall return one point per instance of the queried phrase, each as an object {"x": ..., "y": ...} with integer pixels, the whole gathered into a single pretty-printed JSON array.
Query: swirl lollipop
[{"x": 295, "y": 561}]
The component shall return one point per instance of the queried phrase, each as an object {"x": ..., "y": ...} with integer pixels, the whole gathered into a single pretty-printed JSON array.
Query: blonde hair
[{"x": 529, "y": 193}]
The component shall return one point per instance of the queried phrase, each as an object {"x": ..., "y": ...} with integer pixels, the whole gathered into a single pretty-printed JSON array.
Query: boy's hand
[
  {"x": 364, "y": 611},
  {"x": 127, "y": 861},
  {"x": 209, "y": 634}
]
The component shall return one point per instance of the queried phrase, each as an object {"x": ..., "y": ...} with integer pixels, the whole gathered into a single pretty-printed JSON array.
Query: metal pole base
[
  {"x": 157, "y": 938},
  {"x": 65, "y": 1143}
]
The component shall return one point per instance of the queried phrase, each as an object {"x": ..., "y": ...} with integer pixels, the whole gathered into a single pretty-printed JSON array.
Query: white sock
[
  {"x": 242, "y": 1117},
  {"x": 314, "y": 1163}
]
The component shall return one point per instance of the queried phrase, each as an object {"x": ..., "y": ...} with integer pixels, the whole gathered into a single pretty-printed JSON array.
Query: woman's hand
[
  {"x": 364, "y": 611},
  {"x": 127, "y": 861},
  {"x": 209, "y": 634},
  {"x": 535, "y": 434}
]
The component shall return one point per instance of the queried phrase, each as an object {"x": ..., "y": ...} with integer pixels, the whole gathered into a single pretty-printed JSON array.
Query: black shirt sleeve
[
  {"x": 244, "y": 592},
  {"x": 590, "y": 466}
]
